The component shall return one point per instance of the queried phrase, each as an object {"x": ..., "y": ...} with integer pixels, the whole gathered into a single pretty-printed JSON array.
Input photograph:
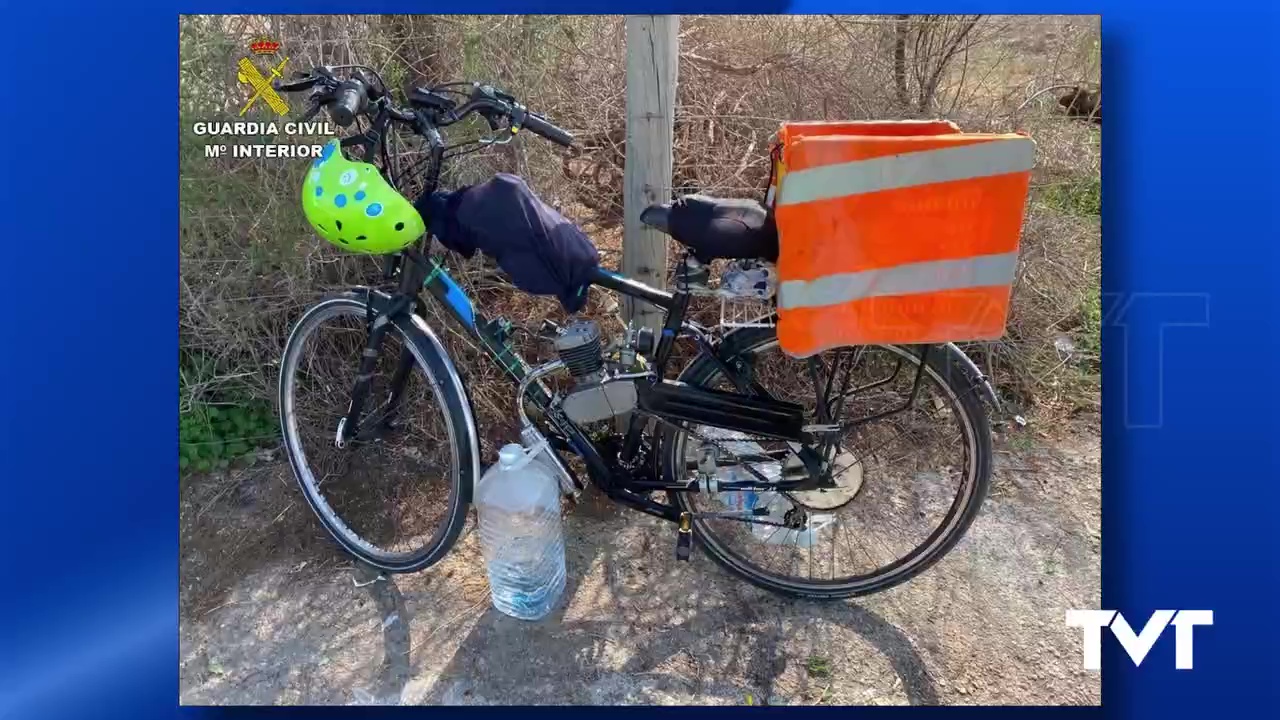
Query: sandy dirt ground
[{"x": 274, "y": 614}]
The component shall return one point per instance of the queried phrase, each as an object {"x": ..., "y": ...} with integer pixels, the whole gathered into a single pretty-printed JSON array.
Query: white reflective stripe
[
  {"x": 876, "y": 123},
  {"x": 909, "y": 279},
  {"x": 983, "y": 159}
]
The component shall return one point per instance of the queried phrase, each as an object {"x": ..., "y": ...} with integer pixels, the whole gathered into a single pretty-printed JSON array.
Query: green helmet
[{"x": 352, "y": 206}]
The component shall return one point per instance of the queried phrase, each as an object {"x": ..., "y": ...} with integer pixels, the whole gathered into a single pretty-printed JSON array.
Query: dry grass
[{"x": 249, "y": 263}]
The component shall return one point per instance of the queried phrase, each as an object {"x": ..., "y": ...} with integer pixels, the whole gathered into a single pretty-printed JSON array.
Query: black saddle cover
[{"x": 723, "y": 228}]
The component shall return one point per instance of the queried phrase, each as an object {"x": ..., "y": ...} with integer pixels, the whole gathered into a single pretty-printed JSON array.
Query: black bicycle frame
[
  {"x": 417, "y": 271},
  {"x": 493, "y": 340}
]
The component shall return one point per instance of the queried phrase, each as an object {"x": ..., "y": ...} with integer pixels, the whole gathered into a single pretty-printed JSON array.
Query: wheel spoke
[
  {"x": 878, "y": 533},
  {"x": 381, "y": 495}
]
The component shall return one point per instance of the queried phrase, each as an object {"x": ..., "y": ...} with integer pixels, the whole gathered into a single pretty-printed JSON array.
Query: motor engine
[{"x": 596, "y": 395}]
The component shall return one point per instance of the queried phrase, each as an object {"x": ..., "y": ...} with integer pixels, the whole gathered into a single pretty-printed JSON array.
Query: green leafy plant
[
  {"x": 217, "y": 424},
  {"x": 214, "y": 436},
  {"x": 1077, "y": 198},
  {"x": 818, "y": 667}
]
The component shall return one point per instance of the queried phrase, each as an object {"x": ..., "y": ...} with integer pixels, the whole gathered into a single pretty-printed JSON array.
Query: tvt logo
[{"x": 1138, "y": 645}]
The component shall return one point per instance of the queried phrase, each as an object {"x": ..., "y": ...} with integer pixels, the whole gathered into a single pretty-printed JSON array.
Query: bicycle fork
[{"x": 349, "y": 424}]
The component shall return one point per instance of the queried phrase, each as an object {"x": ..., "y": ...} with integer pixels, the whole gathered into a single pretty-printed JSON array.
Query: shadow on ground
[
  {"x": 635, "y": 627},
  {"x": 668, "y": 666}
]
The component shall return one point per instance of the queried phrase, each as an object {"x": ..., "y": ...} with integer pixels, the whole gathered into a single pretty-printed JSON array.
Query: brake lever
[
  {"x": 496, "y": 127},
  {"x": 500, "y": 94},
  {"x": 495, "y": 141}
]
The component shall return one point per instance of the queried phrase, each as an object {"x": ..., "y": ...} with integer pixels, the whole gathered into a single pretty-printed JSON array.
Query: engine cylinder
[{"x": 579, "y": 349}]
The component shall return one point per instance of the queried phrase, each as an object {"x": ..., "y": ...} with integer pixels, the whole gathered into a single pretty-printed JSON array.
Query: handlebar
[
  {"x": 493, "y": 104},
  {"x": 361, "y": 95},
  {"x": 542, "y": 126},
  {"x": 305, "y": 82}
]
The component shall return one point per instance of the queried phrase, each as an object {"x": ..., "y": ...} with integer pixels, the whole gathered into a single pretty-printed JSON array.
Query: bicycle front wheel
[{"x": 394, "y": 492}]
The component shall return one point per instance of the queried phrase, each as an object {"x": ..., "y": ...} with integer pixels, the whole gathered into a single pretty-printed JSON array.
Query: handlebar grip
[
  {"x": 349, "y": 100},
  {"x": 541, "y": 126}
]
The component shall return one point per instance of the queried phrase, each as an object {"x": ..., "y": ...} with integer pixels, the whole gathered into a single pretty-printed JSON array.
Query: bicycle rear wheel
[
  {"x": 908, "y": 484},
  {"x": 395, "y": 494}
]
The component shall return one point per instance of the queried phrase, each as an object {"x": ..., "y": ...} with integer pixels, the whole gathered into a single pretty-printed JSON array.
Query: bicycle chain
[
  {"x": 719, "y": 446},
  {"x": 740, "y": 517},
  {"x": 749, "y": 517}
]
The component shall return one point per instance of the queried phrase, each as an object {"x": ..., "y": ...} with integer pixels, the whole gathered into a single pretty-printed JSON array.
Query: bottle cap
[{"x": 510, "y": 454}]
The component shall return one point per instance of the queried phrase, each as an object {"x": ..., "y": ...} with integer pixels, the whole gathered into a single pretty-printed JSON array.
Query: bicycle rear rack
[{"x": 739, "y": 312}]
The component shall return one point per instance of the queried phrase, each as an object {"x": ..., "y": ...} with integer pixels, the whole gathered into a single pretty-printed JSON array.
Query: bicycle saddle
[{"x": 717, "y": 228}]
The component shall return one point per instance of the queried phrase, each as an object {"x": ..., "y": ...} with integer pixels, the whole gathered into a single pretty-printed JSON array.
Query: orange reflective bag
[{"x": 895, "y": 232}]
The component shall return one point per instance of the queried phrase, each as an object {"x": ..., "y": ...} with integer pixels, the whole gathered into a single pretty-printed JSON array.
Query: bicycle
[{"x": 737, "y": 465}]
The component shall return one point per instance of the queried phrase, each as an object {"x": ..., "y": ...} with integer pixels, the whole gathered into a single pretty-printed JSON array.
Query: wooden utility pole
[{"x": 652, "y": 56}]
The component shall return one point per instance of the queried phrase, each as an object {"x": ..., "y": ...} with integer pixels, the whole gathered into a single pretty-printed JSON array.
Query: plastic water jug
[{"x": 521, "y": 535}]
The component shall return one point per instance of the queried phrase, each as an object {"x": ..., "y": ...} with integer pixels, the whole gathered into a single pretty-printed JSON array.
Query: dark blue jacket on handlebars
[{"x": 542, "y": 251}]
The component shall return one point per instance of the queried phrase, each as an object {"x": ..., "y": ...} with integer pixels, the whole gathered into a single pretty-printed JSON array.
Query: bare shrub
[{"x": 249, "y": 263}]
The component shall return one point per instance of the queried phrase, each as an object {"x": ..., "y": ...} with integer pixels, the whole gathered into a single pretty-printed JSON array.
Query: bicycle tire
[
  {"x": 445, "y": 381},
  {"x": 945, "y": 367}
]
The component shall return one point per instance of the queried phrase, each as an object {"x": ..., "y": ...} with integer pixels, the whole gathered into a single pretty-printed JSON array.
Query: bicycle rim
[
  {"x": 793, "y": 569},
  {"x": 394, "y": 499}
]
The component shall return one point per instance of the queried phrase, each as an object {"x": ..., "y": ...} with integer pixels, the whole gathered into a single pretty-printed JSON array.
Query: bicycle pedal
[
  {"x": 684, "y": 546},
  {"x": 684, "y": 537}
]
